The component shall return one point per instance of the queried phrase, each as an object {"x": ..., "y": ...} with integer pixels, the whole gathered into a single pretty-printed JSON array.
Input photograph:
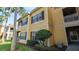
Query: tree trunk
[
  {"x": 13, "y": 46},
  {"x": 43, "y": 43},
  {"x": 4, "y": 33}
]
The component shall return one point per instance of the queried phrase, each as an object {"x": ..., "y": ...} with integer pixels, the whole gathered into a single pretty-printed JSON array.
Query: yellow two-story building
[{"x": 43, "y": 18}]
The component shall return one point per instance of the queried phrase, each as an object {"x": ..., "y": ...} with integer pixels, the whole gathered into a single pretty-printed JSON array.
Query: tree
[
  {"x": 1, "y": 19},
  {"x": 20, "y": 11},
  {"x": 1, "y": 23},
  {"x": 15, "y": 10},
  {"x": 42, "y": 35},
  {"x": 6, "y": 14}
]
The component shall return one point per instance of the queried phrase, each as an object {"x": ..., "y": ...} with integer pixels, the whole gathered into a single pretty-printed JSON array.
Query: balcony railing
[{"x": 70, "y": 18}]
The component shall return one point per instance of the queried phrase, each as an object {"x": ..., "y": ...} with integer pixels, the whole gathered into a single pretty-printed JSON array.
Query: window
[
  {"x": 6, "y": 28},
  {"x": 33, "y": 35},
  {"x": 11, "y": 28},
  {"x": 23, "y": 22},
  {"x": 23, "y": 35},
  {"x": 34, "y": 19},
  {"x": 38, "y": 17},
  {"x": 41, "y": 16},
  {"x": 19, "y": 24}
]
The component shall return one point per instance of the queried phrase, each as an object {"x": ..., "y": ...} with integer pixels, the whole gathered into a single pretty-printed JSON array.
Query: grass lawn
[
  {"x": 20, "y": 47},
  {"x": 7, "y": 45}
]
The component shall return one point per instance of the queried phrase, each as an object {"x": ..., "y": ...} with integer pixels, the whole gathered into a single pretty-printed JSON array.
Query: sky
[{"x": 11, "y": 19}]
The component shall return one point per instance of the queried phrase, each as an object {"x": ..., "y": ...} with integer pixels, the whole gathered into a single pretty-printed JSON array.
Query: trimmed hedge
[
  {"x": 53, "y": 48},
  {"x": 31, "y": 43}
]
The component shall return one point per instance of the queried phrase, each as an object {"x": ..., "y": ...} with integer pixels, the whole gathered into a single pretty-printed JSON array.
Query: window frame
[
  {"x": 24, "y": 35},
  {"x": 39, "y": 18},
  {"x": 33, "y": 34}
]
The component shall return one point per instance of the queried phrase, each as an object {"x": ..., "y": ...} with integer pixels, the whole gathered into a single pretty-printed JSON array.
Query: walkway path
[{"x": 73, "y": 47}]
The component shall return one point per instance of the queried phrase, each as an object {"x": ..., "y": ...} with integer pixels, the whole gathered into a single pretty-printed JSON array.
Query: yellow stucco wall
[
  {"x": 50, "y": 24},
  {"x": 43, "y": 24},
  {"x": 58, "y": 27}
]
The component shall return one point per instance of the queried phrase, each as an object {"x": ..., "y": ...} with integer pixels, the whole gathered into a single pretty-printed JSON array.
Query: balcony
[
  {"x": 22, "y": 24},
  {"x": 70, "y": 18},
  {"x": 22, "y": 27}
]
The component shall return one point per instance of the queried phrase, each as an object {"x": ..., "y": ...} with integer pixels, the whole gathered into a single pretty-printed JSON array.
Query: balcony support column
[{"x": 28, "y": 27}]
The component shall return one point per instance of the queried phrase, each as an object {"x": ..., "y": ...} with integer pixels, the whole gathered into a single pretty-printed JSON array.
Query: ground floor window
[
  {"x": 23, "y": 35},
  {"x": 33, "y": 33}
]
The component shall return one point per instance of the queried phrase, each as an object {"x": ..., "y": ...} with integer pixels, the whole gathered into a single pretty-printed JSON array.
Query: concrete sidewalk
[{"x": 73, "y": 47}]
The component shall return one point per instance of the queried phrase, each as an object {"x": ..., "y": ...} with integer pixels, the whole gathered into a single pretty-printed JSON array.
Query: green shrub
[
  {"x": 51, "y": 48},
  {"x": 21, "y": 47},
  {"x": 38, "y": 47},
  {"x": 43, "y": 48},
  {"x": 42, "y": 35},
  {"x": 31, "y": 43}
]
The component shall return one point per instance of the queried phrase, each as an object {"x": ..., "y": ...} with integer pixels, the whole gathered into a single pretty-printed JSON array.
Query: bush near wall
[
  {"x": 38, "y": 42},
  {"x": 31, "y": 43},
  {"x": 51, "y": 48},
  {"x": 39, "y": 47},
  {"x": 42, "y": 35}
]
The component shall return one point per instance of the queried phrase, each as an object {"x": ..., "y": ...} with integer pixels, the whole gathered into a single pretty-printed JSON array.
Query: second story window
[
  {"x": 38, "y": 17},
  {"x": 6, "y": 28},
  {"x": 19, "y": 23},
  {"x": 11, "y": 29},
  {"x": 23, "y": 22}
]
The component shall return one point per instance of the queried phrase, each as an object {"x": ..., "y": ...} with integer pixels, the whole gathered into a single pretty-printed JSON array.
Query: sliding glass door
[{"x": 74, "y": 35}]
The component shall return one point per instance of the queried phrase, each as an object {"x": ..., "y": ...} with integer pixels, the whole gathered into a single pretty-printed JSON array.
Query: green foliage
[
  {"x": 7, "y": 11},
  {"x": 20, "y": 10},
  {"x": 31, "y": 43},
  {"x": 5, "y": 47},
  {"x": 43, "y": 48},
  {"x": 42, "y": 35},
  {"x": 21, "y": 47}
]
